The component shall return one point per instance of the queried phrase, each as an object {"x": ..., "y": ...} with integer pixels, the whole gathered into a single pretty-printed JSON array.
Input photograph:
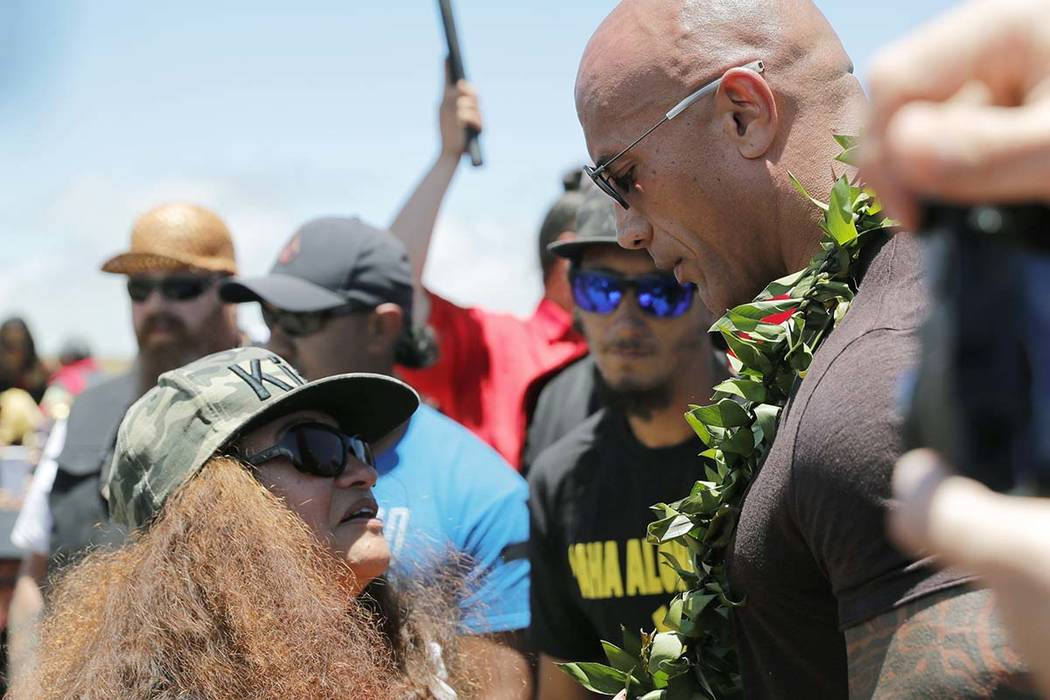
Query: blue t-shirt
[{"x": 442, "y": 489}]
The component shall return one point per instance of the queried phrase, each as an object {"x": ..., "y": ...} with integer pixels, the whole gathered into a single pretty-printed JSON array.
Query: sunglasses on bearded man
[{"x": 172, "y": 287}]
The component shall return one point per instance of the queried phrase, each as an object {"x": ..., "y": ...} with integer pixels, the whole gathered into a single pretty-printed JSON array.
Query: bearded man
[
  {"x": 832, "y": 608},
  {"x": 178, "y": 254}
]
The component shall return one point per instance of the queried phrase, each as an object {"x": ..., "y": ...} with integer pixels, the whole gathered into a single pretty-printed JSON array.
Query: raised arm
[{"x": 414, "y": 224}]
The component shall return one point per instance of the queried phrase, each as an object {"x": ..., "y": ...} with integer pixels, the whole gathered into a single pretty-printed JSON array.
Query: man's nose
[
  {"x": 629, "y": 312},
  {"x": 632, "y": 230},
  {"x": 154, "y": 302}
]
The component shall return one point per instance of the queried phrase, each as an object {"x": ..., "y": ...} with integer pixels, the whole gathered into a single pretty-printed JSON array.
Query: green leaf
[
  {"x": 655, "y": 695},
  {"x": 724, "y": 414},
  {"x": 766, "y": 420},
  {"x": 675, "y": 527},
  {"x": 620, "y": 659},
  {"x": 745, "y": 389},
  {"x": 673, "y": 619},
  {"x": 846, "y": 141},
  {"x": 802, "y": 191},
  {"x": 667, "y": 647},
  {"x": 755, "y": 326},
  {"x": 695, "y": 602},
  {"x": 748, "y": 354},
  {"x": 720, "y": 531},
  {"x": 698, "y": 426},
  {"x": 597, "y": 678},
  {"x": 839, "y": 218},
  {"x": 784, "y": 285},
  {"x": 850, "y": 147},
  {"x": 758, "y": 310},
  {"x": 740, "y": 442},
  {"x": 632, "y": 642}
]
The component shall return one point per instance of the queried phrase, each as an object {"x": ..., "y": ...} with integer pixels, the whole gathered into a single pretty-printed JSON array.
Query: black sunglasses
[
  {"x": 173, "y": 288},
  {"x": 658, "y": 294},
  {"x": 315, "y": 448},
  {"x": 297, "y": 324}
]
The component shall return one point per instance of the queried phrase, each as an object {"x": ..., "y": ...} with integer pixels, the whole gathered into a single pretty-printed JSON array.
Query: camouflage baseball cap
[{"x": 194, "y": 411}]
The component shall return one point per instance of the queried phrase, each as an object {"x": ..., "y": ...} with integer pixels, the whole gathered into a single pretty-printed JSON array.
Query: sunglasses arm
[
  {"x": 265, "y": 455},
  {"x": 755, "y": 66}
]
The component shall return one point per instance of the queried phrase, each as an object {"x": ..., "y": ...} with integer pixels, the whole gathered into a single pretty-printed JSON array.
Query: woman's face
[{"x": 340, "y": 511}]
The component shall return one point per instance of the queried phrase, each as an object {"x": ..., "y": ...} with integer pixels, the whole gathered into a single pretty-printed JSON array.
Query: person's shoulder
[
  {"x": 107, "y": 395},
  {"x": 847, "y": 414},
  {"x": 556, "y": 463},
  {"x": 104, "y": 386},
  {"x": 456, "y": 451},
  {"x": 892, "y": 294},
  {"x": 433, "y": 426},
  {"x": 579, "y": 373}
]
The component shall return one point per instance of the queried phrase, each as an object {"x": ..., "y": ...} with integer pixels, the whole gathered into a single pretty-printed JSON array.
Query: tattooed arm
[{"x": 949, "y": 644}]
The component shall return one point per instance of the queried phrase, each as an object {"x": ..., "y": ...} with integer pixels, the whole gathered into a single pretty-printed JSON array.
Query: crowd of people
[{"x": 397, "y": 496}]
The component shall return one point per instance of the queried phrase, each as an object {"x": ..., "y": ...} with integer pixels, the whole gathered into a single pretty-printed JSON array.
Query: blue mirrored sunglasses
[{"x": 658, "y": 294}]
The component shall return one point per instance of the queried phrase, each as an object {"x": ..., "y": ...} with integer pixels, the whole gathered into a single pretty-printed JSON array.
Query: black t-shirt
[
  {"x": 592, "y": 569},
  {"x": 811, "y": 552},
  {"x": 575, "y": 393}
]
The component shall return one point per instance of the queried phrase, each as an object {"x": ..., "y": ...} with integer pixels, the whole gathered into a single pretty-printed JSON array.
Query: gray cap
[
  {"x": 595, "y": 225},
  {"x": 332, "y": 262},
  {"x": 194, "y": 411}
]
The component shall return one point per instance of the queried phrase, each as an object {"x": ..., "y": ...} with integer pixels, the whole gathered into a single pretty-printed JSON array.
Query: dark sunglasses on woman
[
  {"x": 172, "y": 288},
  {"x": 658, "y": 294},
  {"x": 298, "y": 324},
  {"x": 315, "y": 448}
]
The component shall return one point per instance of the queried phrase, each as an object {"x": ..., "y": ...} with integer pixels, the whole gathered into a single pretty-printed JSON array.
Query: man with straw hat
[{"x": 178, "y": 254}]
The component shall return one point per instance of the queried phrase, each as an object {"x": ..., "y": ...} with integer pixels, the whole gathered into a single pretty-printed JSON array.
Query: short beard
[
  {"x": 640, "y": 402},
  {"x": 155, "y": 361}
]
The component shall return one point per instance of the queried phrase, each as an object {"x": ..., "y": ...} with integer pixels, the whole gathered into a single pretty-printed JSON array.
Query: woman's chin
[{"x": 367, "y": 562}]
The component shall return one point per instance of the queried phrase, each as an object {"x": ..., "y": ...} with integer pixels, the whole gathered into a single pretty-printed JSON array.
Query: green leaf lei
[{"x": 772, "y": 341}]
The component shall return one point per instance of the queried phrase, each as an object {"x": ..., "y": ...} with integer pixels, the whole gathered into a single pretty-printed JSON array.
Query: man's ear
[
  {"x": 749, "y": 112},
  {"x": 384, "y": 327}
]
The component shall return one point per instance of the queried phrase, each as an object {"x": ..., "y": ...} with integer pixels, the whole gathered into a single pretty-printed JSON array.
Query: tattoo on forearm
[{"x": 946, "y": 645}]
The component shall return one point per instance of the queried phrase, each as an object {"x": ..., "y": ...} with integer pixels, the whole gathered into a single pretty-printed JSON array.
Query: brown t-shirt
[{"x": 811, "y": 552}]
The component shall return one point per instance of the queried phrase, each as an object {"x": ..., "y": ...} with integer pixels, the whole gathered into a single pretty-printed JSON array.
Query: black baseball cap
[
  {"x": 331, "y": 262},
  {"x": 595, "y": 225}
]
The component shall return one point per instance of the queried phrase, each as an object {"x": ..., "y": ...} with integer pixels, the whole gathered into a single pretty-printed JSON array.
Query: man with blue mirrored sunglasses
[{"x": 590, "y": 490}]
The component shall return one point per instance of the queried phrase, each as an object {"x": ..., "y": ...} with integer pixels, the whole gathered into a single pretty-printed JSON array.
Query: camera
[{"x": 981, "y": 394}]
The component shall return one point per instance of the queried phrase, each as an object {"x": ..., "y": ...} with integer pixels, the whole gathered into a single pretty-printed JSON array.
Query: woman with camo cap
[{"x": 255, "y": 570}]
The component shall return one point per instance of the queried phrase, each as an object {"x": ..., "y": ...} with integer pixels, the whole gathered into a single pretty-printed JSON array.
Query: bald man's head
[
  {"x": 707, "y": 189},
  {"x": 684, "y": 42}
]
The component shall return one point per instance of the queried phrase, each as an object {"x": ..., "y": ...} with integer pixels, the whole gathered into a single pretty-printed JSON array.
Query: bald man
[{"x": 833, "y": 609}]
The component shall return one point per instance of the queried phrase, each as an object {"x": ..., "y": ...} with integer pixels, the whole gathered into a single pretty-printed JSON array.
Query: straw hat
[{"x": 174, "y": 237}]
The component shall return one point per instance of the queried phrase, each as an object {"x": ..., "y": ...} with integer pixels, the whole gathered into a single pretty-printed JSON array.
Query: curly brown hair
[{"x": 229, "y": 595}]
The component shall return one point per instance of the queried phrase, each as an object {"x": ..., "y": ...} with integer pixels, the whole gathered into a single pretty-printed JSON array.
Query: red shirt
[
  {"x": 74, "y": 376},
  {"x": 487, "y": 364}
]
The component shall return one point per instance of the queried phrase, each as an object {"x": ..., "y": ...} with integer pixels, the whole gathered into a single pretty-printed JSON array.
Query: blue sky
[{"x": 273, "y": 113}]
